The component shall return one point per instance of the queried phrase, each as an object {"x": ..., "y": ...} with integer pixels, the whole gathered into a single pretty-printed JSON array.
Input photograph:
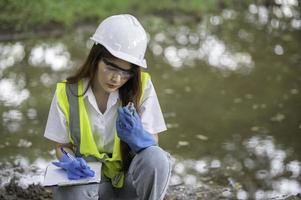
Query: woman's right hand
[{"x": 76, "y": 168}]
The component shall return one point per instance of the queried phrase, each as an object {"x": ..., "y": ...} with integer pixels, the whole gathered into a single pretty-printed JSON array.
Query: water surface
[{"x": 228, "y": 85}]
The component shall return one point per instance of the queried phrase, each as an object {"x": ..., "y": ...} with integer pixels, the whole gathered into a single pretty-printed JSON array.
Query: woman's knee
[{"x": 155, "y": 158}]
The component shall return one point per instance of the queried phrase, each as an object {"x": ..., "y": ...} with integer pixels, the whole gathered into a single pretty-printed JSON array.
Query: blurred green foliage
[{"x": 28, "y": 15}]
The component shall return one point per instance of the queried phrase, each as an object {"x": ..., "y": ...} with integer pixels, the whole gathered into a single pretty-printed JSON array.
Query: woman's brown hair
[{"x": 129, "y": 92}]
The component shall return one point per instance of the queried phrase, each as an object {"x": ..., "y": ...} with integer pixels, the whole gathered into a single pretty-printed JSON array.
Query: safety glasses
[{"x": 111, "y": 68}]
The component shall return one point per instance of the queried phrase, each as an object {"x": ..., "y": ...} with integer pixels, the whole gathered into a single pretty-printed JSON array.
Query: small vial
[{"x": 131, "y": 107}]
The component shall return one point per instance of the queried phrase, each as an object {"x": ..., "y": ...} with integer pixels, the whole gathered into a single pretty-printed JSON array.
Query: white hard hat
[{"x": 124, "y": 37}]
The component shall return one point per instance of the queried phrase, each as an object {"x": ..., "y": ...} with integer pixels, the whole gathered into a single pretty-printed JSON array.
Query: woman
[{"x": 90, "y": 118}]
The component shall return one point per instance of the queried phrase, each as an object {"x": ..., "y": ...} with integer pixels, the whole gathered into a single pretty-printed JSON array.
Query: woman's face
[{"x": 112, "y": 74}]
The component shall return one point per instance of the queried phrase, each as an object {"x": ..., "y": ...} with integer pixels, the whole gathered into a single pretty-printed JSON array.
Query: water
[{"x": 229, "y": 87}]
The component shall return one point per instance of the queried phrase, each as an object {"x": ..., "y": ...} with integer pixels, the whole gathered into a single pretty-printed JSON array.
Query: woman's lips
[{"x": 111, "y": 86}]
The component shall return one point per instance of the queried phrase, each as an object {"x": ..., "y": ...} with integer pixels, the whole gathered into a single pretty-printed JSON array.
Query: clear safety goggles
[{"x": 112, "y": 68}]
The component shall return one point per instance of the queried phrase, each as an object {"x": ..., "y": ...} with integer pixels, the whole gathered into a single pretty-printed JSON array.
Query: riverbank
[
  {"x": 29, "y": 16},
  {"x": 13, "y": 191},
  {"x": 32, "y": 19}
]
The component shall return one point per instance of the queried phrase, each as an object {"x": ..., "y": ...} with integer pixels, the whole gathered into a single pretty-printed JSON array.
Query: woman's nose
[{"x": 116, "y": 77}]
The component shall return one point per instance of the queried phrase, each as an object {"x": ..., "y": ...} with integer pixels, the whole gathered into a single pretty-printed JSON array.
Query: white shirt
[{"x": 103, "y": 124}]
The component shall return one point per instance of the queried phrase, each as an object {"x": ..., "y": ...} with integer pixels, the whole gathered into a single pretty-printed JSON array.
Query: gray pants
[{"x": 147, "y": 178}]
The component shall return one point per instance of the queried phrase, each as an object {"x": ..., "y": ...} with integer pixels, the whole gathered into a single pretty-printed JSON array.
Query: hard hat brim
[{"x": 121, "y": 55}]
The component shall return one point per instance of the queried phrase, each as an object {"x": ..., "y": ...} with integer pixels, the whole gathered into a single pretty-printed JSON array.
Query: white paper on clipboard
[{"x": 56, "y": 176}]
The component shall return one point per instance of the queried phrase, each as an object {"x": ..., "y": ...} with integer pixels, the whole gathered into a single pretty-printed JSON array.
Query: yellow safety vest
[{"x": 71, "y": 102}]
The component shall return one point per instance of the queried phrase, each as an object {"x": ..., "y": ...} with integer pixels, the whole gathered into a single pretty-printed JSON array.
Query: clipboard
[{"x": 56, "y": 176}]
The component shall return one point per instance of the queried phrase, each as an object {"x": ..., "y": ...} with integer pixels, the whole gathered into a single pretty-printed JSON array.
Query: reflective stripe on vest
[{"x": 71, "y": 102}]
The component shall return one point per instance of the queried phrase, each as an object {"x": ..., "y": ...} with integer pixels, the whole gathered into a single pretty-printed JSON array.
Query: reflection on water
[
  {"x": 22, "y": 169},
  {"x": 255, "y": 168},
  {"x": 284, "y": 10},
  {"x": 10, "y": 55},
  {"x": 53, "y": 55},
  {"x": 12, "y": 92},
  {"x": 11, "y": 120},
  {"x": 203, "y": 46}
]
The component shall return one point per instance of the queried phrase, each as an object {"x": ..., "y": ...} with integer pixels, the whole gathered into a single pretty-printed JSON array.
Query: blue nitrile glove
[
  {"x": 76, "y": 168},
  {"x": 130, "y": 130}
]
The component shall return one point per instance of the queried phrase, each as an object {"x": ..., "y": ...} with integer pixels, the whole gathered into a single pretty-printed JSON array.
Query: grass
[{"x": 28, "y": 15}]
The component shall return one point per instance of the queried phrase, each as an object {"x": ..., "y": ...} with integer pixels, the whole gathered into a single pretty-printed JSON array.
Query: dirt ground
[{"x": 36, "y": 192}]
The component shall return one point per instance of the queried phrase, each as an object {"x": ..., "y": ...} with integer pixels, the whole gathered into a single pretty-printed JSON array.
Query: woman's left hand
[{"x": 130, "y": 130}]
